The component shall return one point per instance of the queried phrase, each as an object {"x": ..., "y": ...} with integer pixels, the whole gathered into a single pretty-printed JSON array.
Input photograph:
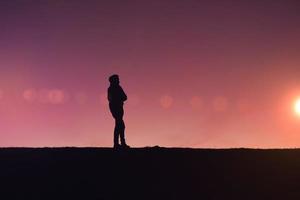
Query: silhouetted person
[{"x": 116, "y": 97}]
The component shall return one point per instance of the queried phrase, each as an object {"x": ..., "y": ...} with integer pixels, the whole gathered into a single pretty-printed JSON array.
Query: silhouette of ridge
[{"x": 149, "y": 173}]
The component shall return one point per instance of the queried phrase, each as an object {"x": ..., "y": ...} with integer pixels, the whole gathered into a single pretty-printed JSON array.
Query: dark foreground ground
[{"x": 149, "y": 173}]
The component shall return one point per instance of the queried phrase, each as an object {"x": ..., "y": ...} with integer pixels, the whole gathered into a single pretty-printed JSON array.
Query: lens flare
[{"x": 297, "y": 107}]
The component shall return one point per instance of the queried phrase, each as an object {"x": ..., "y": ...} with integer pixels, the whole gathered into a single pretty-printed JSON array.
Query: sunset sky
[{"x": 196, "y": 73}]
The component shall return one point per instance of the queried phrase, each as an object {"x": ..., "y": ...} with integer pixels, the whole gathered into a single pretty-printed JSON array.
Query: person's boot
[
  {"x": 117, "y": 146},
  {"x": 125, "y": 146}
]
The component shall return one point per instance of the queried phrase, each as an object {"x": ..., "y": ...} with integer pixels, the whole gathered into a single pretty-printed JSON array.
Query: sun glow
[{"x": 297, "y": 107}]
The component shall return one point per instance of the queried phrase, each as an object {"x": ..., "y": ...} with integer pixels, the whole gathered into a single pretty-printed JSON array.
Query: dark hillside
[{"x": 149, "y": 173}]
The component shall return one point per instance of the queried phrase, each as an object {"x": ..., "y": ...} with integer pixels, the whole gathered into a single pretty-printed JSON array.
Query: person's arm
[{"x": 124, "y": 96}]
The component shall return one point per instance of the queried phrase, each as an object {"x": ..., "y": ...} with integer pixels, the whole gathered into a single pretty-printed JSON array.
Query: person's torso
[{"x": 116, "y": 95}]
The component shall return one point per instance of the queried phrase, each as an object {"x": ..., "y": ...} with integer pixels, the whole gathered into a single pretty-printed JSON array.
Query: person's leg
[
  {"x": 116, "y": 134},
  {"x": 122, "y": 126},
  {"x": 114, "y": 112},
  {"x": 119, "y": 131},
  {"x": 122, "y": 132}
]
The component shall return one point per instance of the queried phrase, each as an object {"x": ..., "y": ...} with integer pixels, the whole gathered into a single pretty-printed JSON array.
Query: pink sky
[{"x": 197, "y": 74}]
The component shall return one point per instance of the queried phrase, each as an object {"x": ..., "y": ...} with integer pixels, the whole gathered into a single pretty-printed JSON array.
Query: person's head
[{"x": 114, "y": 79}]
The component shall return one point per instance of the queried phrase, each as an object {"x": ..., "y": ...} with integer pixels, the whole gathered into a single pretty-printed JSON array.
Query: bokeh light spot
[
  {"x": 30, "y": 95},
  {"x": 56, "y": 96},
  {"x": 134, "y": 100},
  {"x": 166, "y": 101},
  {"x": 81, "y": 98},
  {"x": 220, "y": 104}
]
